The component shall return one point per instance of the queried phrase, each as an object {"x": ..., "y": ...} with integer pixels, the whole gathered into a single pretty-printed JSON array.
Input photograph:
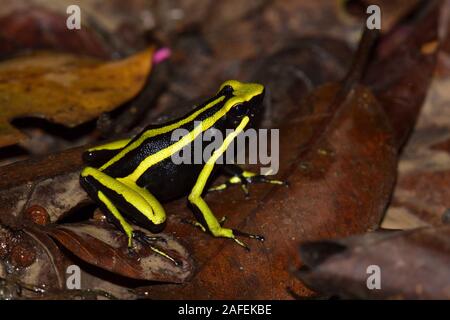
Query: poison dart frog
[{"x": 130, "y": 178}]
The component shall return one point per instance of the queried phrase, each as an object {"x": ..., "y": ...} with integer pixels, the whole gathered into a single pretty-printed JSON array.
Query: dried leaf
[
  {"x": 413, "y": 265},
  {"x": 422, "y": 193},
  {"x": 104, "y": 246},
  {"x": 402, "y": 71},
  {"x": 66, "y": 89},
  {"x": 33, "y": 257}
]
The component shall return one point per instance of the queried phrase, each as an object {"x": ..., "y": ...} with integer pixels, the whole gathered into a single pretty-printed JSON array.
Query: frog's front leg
[
  {"x": 114, "y": 196},
  {"x": 210, "y": 222},
  {"x": 244, "y": 178}
]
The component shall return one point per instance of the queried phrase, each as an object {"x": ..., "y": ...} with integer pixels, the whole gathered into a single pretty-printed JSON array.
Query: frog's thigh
[
  {"x": 115, "y": 189},
  {"x": 158, "y": 209}
]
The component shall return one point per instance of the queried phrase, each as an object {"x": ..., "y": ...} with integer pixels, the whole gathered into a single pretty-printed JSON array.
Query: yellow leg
[
  {"x": 140, "y": 199},
  {"x": 213, "y": 225},
  {"x": 115, "y": 212}
]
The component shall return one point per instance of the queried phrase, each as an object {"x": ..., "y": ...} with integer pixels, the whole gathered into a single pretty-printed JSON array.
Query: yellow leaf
[{"x": 66, "y": 89}]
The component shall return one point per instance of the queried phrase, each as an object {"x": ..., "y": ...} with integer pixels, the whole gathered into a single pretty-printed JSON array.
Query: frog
[{"x": 130, "y": 178}]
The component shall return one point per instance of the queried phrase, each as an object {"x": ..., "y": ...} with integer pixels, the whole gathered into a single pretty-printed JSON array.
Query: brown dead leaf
[
  {"x": 66, "y": 89},
  {"x": 104, "y": 246},
  {"x": 422, "y": 193},
  {"x": 402, "y": 69},
  {"x": 413, "y": 265},
  {"x": 31, "y": 256}
]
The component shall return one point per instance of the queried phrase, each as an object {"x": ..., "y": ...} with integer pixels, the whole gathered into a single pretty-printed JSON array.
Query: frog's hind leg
[
  {"x": 136, "y": 203},
  {"x": 107, "y": 191},
  {"x": 108, "y": 208}
]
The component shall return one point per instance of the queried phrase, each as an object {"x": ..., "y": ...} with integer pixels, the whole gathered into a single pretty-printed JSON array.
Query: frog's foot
[
  {"x": 233, "y": 234},
  {"x": 247, "y": 235},
  {"x": 225, "y": 232},
  {"x": 149, "y": 241},
  {"x": 244, "y": 178},
  {"x": 145, "y": 239}
]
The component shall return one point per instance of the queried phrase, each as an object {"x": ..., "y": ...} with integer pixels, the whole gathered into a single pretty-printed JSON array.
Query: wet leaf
[
  {"x": 66, "y": 89},
  {"x": 31, "y": 256},
  {"x": 104, "y": 246},
  {"x": 413, "y": 265}
]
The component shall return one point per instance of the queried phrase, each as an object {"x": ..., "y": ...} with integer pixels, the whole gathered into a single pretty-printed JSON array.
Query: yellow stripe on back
[
  {"x": 188, "y": 138},
  {"x": 113, "y": 145},
  {"x": 158, "y": 131}
]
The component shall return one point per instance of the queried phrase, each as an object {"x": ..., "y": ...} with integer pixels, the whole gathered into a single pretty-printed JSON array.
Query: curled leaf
[{"x": 104, "y": 246}]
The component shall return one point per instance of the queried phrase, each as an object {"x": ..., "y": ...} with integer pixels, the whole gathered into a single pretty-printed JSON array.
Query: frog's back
[{"x": 148, "y": 159}]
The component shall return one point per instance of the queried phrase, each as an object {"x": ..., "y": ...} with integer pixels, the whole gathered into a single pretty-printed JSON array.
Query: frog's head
[{"x": 243, "y": 99}]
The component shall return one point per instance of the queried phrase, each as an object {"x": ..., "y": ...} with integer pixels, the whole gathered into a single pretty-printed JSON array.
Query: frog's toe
[
  {"x": 244, "y": 179},
  {"x": 237, "y": 233},
  {"x": 146, "y": 239}
]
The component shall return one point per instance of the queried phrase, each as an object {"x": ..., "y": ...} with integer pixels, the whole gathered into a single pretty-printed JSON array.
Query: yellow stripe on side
[
  {"x": 127, "y": 192},
  {"x": 154, "y": 132},
  {"x": 188, "y": 138},
  {"x": 114, "y": 145},
  {"x": 124, "y": 224}
]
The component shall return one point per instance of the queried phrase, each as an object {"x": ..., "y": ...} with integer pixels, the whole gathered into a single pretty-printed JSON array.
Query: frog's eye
[
  {"x": 239, "y": 110},
  {"x": 227, "y": 90}
]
